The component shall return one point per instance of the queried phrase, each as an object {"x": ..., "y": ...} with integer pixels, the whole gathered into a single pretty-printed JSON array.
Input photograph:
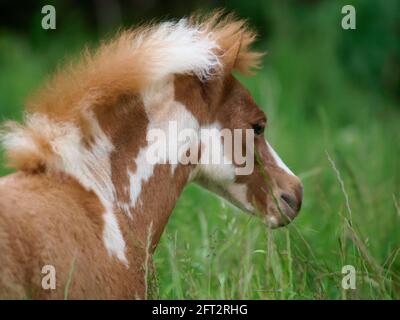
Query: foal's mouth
[{"x": 285, "y": 209}]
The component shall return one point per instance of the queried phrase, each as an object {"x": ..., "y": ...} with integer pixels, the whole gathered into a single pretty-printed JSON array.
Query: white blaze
[{"x": 279, "y": 161}]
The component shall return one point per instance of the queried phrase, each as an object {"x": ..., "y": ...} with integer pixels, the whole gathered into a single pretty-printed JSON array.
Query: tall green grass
[
  {"x": 343, "y": 141},
  {"x": 340, "y": 137},
  {"x": 350, "y": 216}
]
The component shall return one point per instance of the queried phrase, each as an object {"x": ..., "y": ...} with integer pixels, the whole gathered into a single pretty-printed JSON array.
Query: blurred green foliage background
[{"x": 329, "y": 93}]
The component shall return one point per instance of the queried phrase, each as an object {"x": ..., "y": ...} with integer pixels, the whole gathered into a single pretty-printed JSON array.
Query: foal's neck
[{"x": 145, "y": 194}]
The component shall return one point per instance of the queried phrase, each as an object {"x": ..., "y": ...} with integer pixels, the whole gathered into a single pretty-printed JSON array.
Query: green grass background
[{"x": 332, "y": 99}]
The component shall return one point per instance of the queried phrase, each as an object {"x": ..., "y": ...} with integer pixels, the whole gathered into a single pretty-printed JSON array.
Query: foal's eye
[{"x": 258, "y": 128}]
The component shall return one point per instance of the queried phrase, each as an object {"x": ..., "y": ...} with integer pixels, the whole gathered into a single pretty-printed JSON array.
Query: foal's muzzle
[{"x": 288, "y": 205}]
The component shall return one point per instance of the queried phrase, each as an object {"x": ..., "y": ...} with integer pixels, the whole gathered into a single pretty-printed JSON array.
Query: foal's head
[{"x": 258, "y": 182}]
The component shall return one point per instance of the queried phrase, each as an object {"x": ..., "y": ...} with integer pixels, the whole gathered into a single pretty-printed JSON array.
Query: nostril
[{"x": 291, "y": 201}]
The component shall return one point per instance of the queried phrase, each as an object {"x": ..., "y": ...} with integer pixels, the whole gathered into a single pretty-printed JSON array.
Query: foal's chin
[
  {"x": 272, "y": 222},
  {"x": 279, "y": 216}
]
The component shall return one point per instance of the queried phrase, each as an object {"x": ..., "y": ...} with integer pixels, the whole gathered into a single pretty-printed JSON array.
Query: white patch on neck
[
  {"x": 161, "y": 108},
  {"x": 279, "y": 161},
  {"x": 92, "y": 168},
  {"x": 144, "y": 171}
]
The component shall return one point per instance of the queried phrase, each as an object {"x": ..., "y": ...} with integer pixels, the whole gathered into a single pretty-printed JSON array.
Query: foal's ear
[{"x": 230, "y": 56}]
